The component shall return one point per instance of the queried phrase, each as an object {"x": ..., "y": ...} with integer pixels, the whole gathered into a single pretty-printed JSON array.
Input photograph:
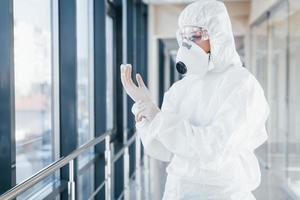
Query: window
[
  {"x": 278, "y": 28},
  {"x": 85, "y": 70},
  {"x": 260, "y": 66},
  {"x": 276, "y": 61},
  {"x": 85, "y": 122},
  {"x": 33, "y": 86},
  {"x": 35, "y": 63},
  {"x": 269, "y": 46},
  {"x": 294, "y": 99}
]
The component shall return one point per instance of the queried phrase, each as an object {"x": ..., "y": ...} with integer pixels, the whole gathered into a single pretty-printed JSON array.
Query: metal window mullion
[
  {"x": 129, "y": 56},
  {"x": 161, "y": 65},
  {"x": 7, "y": 105},
  {"x": 55, "y": 78},
  {"x": 99, "y": 90},
  {"x": 121, "y": 101},
  {"x": 55, "y": 88},
  {"x": 91, "y": 85},
  {"x": 144, "y": 39},
  {"x": 67, "y": 85}
]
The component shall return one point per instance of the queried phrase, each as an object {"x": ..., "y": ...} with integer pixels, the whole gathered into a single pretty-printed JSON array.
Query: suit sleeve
[{"x": 152, "y": 146}]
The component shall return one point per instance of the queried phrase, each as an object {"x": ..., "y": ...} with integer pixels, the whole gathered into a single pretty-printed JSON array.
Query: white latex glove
[
  {"x": 151, "y": 145},
  {"x": 137, "y": 93},
  {"x": 144, "y": 110}
]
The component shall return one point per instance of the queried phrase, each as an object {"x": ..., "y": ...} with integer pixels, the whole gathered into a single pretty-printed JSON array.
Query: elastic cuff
[
  {"x": 154, "y": 124},
  {"x": 142, "y": 124}
]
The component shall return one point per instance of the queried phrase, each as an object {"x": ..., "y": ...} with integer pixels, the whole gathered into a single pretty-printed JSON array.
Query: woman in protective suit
[{"x": 212, "y": 120}]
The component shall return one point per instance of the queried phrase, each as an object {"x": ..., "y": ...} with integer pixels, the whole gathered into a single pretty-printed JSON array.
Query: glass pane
[
  {"x": 33, "y": 86},
  {"x": 110, "y": 91},
  {"x": 278, "y": 91},
  {"x": 84, "y": 17},
  {"x": 294, "y": 100},
  {"x": 86, "y": 186},
  {"x": 259, "y": 53},
  {"x": 84, "y": 70},
  {"x": 35, "y": 60},
  {"x": 240, "y": 47}
]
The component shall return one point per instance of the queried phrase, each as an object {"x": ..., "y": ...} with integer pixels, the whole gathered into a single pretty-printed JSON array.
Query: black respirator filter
[{"x": 181, "y": 68}]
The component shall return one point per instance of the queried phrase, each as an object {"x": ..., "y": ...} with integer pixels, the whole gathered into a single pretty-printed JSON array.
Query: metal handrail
[
  {"x": 36, "y": 178},
  {"x": 121, "y": 152},
  {"x": 110, "y": 158}
]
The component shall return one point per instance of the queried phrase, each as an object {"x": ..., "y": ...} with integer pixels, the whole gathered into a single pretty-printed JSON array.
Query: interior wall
[
  {"x": 162, "y": 24},
  {"x": 258, "y": 8}
]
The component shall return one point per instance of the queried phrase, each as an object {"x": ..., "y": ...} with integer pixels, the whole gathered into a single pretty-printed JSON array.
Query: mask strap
[{"x": 210, "y": 63}]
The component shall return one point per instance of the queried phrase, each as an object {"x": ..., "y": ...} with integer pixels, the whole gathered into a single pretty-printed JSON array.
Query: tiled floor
[{"x": 271, "y": 188}]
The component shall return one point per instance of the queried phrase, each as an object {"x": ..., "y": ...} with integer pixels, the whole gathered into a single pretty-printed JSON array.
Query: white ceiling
[{"x": 183, "y": 1}]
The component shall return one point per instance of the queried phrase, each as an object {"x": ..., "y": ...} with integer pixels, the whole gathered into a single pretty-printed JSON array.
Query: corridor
[{"x": 66, "y": 126}]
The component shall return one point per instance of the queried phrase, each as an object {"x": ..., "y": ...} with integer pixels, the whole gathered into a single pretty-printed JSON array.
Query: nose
[{"x": 181, "y": 68}]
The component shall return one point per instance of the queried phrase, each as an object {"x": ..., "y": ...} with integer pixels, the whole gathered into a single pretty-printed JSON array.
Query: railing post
[
  {"x": 146, "y": 177},
  {"x": 112, "y": 176},
  {"x": 126, "y": 174},
  {"x": 138, "y": 179},
  {"x": 108, "y": 194},
  {"x": 71, "y": 183}
]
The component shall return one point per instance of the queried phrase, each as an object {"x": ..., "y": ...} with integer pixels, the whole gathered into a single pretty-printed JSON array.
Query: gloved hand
[
  {"x": 144, "y": 110},
  {"x": 137, "y": 93}
]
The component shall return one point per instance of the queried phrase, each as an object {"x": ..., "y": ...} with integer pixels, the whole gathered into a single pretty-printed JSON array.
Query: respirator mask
[{"x": 191, "y": 58}]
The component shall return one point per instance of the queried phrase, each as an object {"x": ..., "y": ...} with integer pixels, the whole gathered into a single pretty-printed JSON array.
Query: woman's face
[
  {"x": 198, "y": 38},
  {"x": 195, "y": 34},
  {"x": 204, "y": 44}
]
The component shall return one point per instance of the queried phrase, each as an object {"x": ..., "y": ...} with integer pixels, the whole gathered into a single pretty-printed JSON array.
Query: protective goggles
[{"x": 191, "y": 33}]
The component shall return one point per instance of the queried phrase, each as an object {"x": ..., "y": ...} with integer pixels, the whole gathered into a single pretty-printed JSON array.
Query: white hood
[{"x": 212, "y": 15}]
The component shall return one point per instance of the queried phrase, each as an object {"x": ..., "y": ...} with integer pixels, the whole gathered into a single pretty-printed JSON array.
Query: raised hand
[{"x": 137, "y": 92}]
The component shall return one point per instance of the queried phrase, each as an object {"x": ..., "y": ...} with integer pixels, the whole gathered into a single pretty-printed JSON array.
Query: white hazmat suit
[{"x": 210, "y": 125}]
